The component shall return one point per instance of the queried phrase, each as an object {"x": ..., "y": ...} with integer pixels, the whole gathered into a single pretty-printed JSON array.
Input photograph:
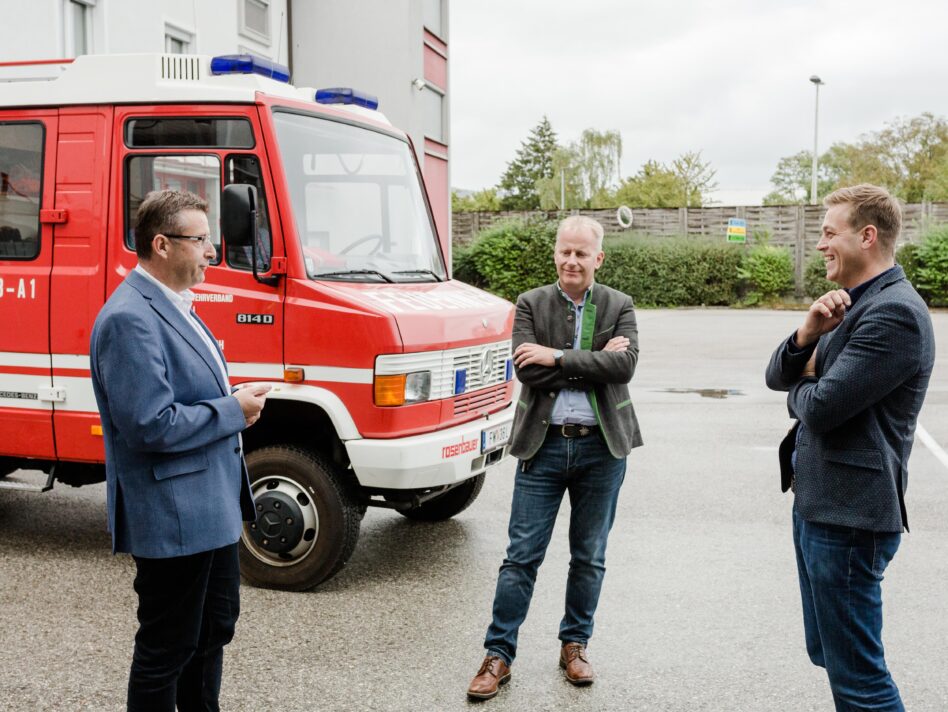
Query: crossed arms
[{"x": 577, "y": 369}]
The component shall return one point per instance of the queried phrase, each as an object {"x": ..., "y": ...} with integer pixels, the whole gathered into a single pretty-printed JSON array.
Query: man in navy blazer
[
  {"x": 856, "y": 372},
  {"x": 177, "y": 484}
]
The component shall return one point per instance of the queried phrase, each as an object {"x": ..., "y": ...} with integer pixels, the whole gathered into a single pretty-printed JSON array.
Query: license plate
[{"x": 493, "y": 438}]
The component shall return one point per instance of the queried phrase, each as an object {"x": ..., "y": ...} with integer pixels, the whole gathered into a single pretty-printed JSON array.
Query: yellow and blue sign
[{"x": 736, "y": 230}]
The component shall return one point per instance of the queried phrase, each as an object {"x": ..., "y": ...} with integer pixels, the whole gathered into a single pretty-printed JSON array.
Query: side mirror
[{"x": 239, "y": 224}]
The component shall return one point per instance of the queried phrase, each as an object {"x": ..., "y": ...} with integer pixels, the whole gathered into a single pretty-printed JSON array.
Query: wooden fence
[{"x": 794, "y": 226}]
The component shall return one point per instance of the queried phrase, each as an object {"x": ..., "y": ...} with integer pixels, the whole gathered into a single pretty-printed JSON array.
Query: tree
[
  {"x": 478, "y": 201},
  {"x": 565, "y": 182},
  {"x": 533, "y": 161},
  {"x": 791, "y": 180},
  {"x": 907, "y": 156},
  {"x": 654, "y": 186},
  {"x": 696, "y": 177},
  {"x": 688, "y": 182},
  {"x": 597, "y": 156}
]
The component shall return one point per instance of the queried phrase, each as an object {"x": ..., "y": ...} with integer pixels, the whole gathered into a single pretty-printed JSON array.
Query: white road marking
[{"x": 932, "y": 445}]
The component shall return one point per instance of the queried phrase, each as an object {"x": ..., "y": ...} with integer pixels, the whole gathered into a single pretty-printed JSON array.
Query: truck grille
[
  {"x": 454, "y": 372},
  {"x": 480, "y": 399}
]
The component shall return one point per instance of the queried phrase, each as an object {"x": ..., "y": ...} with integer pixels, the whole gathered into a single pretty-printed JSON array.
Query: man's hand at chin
[{"x": 824, "y": 315}]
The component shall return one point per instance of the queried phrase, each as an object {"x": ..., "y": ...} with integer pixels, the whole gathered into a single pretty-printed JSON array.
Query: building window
[
  {"x": 255, "y": 19},
  {"x": 433, "y": 101},
  {"x": 177, "y": 41},
  {"x": 432, "y": 16},
  {"x": 77, "y": 27}
]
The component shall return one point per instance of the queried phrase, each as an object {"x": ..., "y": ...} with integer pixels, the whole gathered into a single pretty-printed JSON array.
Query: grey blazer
[
  {"x": 861, "y": 409},
  {"x": 544, "y": 317}
]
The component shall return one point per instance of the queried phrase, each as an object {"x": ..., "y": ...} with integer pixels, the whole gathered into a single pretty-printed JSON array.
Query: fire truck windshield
[{"x": 357, "y": 201}]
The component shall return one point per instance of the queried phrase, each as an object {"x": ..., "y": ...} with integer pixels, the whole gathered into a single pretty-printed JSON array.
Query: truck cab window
[
  {"x": 245, "y": 169},
  {"x": 21, "y": 180},
  {"x": 198, "y": 174}
]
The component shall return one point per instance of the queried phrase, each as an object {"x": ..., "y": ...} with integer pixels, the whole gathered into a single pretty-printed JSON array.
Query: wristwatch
[{"x": 557, "y": 355}]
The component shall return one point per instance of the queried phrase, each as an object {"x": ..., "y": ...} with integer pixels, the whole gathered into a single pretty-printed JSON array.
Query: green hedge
[
  {"x": 931, "y": 266},
  {"x": 672, "y": 271},
  {"x": 509, "y": 258},
  {"x": 767, "y": 273},
  {"x": 512, "y": 257},
  {"x": 815, "y": 283}
]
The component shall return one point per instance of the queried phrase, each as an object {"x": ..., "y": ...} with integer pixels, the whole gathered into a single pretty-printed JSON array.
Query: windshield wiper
[
  {"x": 351, "y": 272},
  {"x": 418, "y": 271}
]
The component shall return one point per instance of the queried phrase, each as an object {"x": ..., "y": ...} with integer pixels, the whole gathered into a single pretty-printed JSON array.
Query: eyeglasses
[{"x": 202, "y": 240}]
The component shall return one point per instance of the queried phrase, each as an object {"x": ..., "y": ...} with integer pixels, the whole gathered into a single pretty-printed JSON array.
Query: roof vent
[{"x": 180, "y": 66}]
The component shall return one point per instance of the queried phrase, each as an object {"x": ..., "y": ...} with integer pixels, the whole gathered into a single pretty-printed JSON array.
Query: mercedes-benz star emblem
[{"x": 486, "y": 364}]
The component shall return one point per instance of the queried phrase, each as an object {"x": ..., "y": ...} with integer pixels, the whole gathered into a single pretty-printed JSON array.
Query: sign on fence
[{"x": 736, "y": 230}]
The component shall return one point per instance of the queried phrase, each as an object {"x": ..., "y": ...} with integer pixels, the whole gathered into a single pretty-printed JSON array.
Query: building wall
[
  {"x": 39, "y": 29},
  {"x": 379, "y": 46}
]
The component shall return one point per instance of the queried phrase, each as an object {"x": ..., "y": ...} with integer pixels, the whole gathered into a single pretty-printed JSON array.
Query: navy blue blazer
[
  {"x": 861, "y": 409},
  {"x": 176, "y": 480}
]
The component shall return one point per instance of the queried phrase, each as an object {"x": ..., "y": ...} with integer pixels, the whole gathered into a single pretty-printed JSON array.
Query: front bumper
[{"x": 444, "y": 457}]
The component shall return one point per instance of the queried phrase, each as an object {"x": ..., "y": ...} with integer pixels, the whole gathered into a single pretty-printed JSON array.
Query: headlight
[
  {"x": 417, "y": 386},
  {"x": 402, "y": 388}
]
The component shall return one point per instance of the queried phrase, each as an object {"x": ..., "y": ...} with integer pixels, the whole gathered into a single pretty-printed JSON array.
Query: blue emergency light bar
[
  {"x": 249, "y": 64},
  {"x": 346, "y": 95}
]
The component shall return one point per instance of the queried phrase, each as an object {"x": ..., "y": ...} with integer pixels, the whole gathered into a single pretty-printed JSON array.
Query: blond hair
[
  {"x": 580, "y": 222},
  {"x": 871, "y": 205}
]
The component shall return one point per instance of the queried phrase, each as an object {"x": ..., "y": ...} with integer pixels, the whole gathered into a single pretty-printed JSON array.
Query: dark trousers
[
  {"x": 840, "y": 571},
  {"x": 187, "y": 611}
]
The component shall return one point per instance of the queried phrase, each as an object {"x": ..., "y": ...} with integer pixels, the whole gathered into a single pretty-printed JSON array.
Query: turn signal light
[
  {"x": 96, "y": 430},
  {"x": 390, "y": 390},
  {"x": 293, "y": 375}
]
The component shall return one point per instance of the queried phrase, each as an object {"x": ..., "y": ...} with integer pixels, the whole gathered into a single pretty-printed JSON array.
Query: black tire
[
  {"x": 295, "y": 486},
  {"x": 452, "y": 502}
]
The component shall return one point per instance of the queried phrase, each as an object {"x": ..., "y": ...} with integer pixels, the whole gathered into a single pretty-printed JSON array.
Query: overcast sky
[{"x": 729, "y": 78}]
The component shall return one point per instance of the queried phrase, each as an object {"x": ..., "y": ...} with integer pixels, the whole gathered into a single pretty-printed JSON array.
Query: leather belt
[{"x": 574, "y": 430}]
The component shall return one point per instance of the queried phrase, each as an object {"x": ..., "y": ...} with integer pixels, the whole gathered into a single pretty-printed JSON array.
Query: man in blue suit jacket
[
  {"x": 176, "y": 480},
  {"x": 856, "y": 372}
]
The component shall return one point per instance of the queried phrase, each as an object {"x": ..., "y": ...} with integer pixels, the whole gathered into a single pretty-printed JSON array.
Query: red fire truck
[{"x": 392, "y": 383}]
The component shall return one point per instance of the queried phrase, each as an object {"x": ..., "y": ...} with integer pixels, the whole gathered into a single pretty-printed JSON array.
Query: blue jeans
[
  {"x": 586, "y": 469},
  {"x": 840, "y": 570}
]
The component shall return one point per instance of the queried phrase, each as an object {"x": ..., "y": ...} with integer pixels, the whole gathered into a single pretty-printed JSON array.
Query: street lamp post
[{"x": 816, "y": 123}]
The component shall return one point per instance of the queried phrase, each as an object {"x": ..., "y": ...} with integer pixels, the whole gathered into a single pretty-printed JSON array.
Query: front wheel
[
  {"x": 307, "y": 520},
  {"x": 452, "y": 502}
]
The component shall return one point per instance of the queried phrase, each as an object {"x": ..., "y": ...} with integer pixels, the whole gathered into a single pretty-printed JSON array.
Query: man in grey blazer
[
  {"x": 856, "y": 372},
  {"x": 575, "y": 348},
  {"x": 177, "y": 486}
]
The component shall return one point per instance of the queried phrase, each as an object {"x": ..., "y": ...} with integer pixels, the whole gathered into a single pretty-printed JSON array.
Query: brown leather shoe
[
  {"x": 494, "y": 672},
  {"x": 574, "y": 661}
]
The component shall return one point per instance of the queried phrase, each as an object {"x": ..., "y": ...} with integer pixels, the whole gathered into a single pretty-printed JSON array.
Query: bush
[
  {"x": 509, "y": 258},
  {"x": 933, "y": 265},
  {"x": 672, "y": 271},
  {"x": 815, "y": 283},
  {"x": 907, "y": 256},
  {"x": 767, "y": 272}
]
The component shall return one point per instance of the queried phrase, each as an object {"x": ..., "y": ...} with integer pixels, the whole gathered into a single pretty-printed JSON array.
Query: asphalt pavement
[{"x": 700, "y": 608}]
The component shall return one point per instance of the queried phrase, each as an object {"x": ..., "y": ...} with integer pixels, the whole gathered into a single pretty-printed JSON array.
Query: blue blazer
[
  {"x": 176, "y": 480},
  {"x": 861, "y": 409}
]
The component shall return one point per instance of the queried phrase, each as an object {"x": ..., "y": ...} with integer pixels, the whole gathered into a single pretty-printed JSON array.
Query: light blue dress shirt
[{"x": 572, "y": 405}]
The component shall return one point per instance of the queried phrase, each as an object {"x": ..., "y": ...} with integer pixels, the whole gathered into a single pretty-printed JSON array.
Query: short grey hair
[{"x": 575, "y": 223}]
